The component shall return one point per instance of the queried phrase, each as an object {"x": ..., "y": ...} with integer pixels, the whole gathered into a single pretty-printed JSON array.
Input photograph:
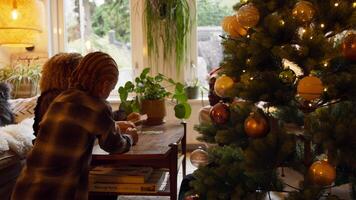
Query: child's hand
[
  {"x": 133, "y": 133},
  {"x": 134, "y": 117},
  {"x": 124, "y": 125}
]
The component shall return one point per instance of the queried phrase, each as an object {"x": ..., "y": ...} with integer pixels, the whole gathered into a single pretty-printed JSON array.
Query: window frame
[{"x": 57, "y": 35}]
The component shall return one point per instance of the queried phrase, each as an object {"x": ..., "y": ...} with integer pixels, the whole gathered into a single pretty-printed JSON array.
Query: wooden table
[{"x": 153, "y": 150}]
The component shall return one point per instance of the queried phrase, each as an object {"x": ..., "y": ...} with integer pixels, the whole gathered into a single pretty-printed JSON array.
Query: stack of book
[{"x": 126, "y": 179}]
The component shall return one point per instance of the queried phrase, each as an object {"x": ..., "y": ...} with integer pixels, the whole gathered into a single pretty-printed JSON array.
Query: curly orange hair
[{"x": 57, "y": 71}]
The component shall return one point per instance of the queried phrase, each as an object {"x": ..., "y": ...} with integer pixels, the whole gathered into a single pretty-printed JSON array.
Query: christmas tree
[{"x": 289, "y": 70}]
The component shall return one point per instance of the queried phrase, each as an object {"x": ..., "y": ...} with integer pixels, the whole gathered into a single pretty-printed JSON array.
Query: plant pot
[
  {"x": 155, "y": 111},
  {"x": 192, "y": 92},
  {"x": 25, "y": 88}
]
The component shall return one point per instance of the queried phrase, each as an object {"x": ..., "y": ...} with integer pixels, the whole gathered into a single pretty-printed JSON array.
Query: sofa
[{"x": 15, "y": 142}]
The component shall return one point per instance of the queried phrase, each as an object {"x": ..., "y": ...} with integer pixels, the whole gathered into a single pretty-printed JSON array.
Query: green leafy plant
[
  {"x": 151, "y": 88},
  {"x": 168, "y": 22}
]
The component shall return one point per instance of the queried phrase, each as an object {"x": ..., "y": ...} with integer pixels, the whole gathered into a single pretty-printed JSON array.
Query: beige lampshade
[{"x": 21, "y": 22}]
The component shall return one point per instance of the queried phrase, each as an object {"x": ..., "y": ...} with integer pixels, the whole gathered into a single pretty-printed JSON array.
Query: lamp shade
[{"x": 21, "y": 22}]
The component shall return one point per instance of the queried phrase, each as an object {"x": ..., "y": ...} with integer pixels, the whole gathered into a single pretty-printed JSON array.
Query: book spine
[
  {"x": 132, "y": 188},
  {"x": 114, "y": 179}
]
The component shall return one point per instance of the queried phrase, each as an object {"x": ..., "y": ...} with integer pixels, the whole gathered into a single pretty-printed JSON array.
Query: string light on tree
[
  {"x": 248, "y": 15},
  {"x": 303, "y": 11},
  {"x": 322, "y": 173}
]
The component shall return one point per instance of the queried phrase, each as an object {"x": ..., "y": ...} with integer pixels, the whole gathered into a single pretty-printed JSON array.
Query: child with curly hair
[
  {"x": 58, "y": 165},
  {"x": 55, "y": 77}
]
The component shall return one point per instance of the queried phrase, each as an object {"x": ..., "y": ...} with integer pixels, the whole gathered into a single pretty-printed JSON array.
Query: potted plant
[
  {"x": 150, "y": 97},
  {"x": 192, "y": 89},
  {"x": 23, "y": 78},
  {"x": 168, "y": 24}
]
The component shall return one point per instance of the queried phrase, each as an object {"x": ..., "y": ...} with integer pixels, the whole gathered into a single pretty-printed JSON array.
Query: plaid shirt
[{"x": 58, "y": 165}]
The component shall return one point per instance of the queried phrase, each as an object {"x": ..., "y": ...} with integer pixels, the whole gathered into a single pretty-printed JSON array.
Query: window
[
  {"x": 210, "y": 51},
  {"x": 100, "y": 25}
]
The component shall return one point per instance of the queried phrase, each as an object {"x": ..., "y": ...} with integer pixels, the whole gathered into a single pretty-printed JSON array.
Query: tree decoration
[
  {"x": 256, "y": 125},
  {"x": 204, "y": 115},
  {"x": 287, "y": 76},
  {"x": 310, "y": 88},
  {"x": 248, "y": 15},
  {"x": 199, "y": 157},
  {"x": 233, "y": 27},
  {"x": 303, "y": 11},
  {"x": 192, "y": 197},
  {"x": 220, "y": 113},
  {"x": 322, "y": 173},
  {"x": 349, "y": 47},
  {"x": 223, "y": 86}
]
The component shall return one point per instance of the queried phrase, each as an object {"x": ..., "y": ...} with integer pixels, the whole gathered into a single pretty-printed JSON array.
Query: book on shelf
[
  {"x": 114, "y": 174},
  {"x": 152, "y": 185}
]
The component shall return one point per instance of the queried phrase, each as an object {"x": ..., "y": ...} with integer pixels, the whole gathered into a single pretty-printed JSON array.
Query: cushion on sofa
[{"x": 23, "y": 108}]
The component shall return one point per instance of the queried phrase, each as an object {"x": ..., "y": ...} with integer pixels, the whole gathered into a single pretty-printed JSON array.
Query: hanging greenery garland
[{"x": 168, "y": 22}]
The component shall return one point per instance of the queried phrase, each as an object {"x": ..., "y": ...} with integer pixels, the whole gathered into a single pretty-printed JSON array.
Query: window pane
[
  {"x": 100, "y": 25},
  {"x": 209, "y": 16}
]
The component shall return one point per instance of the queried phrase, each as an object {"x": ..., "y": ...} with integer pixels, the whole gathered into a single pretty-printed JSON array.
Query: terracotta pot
[{"x": 155, "y": 110}]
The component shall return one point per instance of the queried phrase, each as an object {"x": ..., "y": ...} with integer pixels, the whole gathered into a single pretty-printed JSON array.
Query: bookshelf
[{"x": 159, "y": 151}]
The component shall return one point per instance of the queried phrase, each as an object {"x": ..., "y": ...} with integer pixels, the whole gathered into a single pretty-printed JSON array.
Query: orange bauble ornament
[
  {"x": 310, "y": 88},
  {"x": 233, "y": 27},
  {"x": 256, "y": 125},
  {"x": 223, "y": 86},
  {"x": 248, "y": 15},
  {"x": 303, "y": 11},
  {"x": 322, "y": 173},
  {"x": 349, "y": 47}
]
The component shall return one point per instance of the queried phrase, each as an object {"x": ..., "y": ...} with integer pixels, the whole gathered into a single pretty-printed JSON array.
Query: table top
[{"x": 152, "y": 144}]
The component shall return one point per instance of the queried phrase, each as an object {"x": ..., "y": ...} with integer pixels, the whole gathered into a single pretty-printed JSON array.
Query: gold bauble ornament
[
  {"x": 248, "y": 15},
  {"x": 310, "y": 88},
  {"x": 322, "y": 173},
  {"x": 287, "y": 76},
  {"x": 223, "y": 86},
  {"x": 233, "y": 27},
  {"x": 349, "y": 47},
  {"x": 303, "y": 11},
  {"x": 256, "y": 125}
]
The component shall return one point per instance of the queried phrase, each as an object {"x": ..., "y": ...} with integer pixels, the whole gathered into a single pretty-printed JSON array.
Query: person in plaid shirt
[{"x": 58, "y": 165}]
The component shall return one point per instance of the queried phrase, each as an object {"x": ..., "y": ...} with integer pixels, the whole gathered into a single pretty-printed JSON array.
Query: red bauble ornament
[
  {"x": 349, "y": 47},
  {"x": 220, "y": 113},
  {"x": 256, "y": 125}
]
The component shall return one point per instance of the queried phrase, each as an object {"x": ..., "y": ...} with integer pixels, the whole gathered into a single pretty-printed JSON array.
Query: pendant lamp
[{"x": 21, "y": 22}]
